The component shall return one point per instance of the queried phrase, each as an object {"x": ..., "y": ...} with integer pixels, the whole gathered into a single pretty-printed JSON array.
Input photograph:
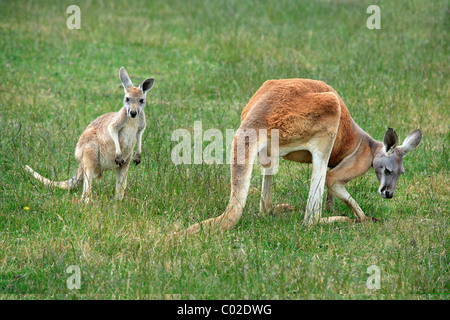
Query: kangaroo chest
[{"x": 128, "y": 137}]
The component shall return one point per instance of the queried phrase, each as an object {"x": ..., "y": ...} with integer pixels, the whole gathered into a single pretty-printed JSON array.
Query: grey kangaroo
[{"x": 108, "y": 142}]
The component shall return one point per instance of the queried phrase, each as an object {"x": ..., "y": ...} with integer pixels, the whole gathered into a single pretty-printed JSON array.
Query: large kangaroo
[
  {"x": 313, "y": 125},
  {"x": 108, "y": 142}
]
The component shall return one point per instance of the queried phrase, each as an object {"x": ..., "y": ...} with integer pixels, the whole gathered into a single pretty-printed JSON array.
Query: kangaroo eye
[
  {"x": 387, "y": 171},
  {"x": 141, "y": 100},
  {"x": 127, "y": 99}
]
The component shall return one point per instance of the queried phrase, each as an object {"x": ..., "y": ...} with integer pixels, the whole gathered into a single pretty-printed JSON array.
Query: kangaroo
[
  {"x": 313, "y": 125},
  {"x": 108, "y": 142}
]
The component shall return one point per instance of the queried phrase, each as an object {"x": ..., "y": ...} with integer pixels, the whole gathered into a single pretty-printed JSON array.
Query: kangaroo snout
[
  {"x": 133, "y": 113},
  {"x": 386, "y": 193}
]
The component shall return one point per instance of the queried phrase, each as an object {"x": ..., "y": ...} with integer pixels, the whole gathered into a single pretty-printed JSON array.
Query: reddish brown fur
[
  {"x": 286, "y": 105},
  {"x": 313, "y": 125}
]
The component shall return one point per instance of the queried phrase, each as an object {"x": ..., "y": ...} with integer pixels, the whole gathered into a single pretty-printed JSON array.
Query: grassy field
[{"x": 208, "y": 58}]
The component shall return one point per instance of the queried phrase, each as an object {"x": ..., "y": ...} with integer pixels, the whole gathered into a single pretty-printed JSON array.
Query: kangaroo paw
[
  {"x": 137, "y": 159},
  {"x": 367, "y": 219},
  {"x": 333, "y": 219},
  {"x": 119, "y": 160},
  {"x": 282, "y": 207}
]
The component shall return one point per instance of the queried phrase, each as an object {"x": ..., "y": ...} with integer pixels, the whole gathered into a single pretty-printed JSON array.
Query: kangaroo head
[
  {"x": 134, "y": 100},
  {"x": 388, "y": 161}
]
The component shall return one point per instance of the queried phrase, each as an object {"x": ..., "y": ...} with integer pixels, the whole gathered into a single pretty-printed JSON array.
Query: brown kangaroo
[{"x": 313, "y": 125}]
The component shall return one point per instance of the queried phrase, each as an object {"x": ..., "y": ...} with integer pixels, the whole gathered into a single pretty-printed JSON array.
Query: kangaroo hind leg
[
  {"x": 89, "y": 163},
  {"x": 242, "y": 158},
  {"x": 266, "y": 201},
  {"x": 121, "y": 179}
]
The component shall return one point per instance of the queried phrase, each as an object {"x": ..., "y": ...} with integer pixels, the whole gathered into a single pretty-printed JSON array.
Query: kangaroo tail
[
  {"x": 70, "y": 184},
  {"x": 241, "y": 171}
]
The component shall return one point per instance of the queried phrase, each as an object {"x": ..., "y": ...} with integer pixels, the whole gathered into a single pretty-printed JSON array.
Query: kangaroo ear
[
  {"x": 147, "y": 85},
  {"x": 390, "y": 140},
  {"x": 411, "y": 141},
  {"x": 125, "y": 79}
]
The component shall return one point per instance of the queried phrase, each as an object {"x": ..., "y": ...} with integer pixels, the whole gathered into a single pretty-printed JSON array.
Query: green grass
[{"x": 208, "y": 58}]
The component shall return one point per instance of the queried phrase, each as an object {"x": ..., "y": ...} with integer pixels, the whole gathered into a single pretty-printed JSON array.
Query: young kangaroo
[
  {"x": 312, "y": 125},
  {"x": 108, "y": 142}
]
